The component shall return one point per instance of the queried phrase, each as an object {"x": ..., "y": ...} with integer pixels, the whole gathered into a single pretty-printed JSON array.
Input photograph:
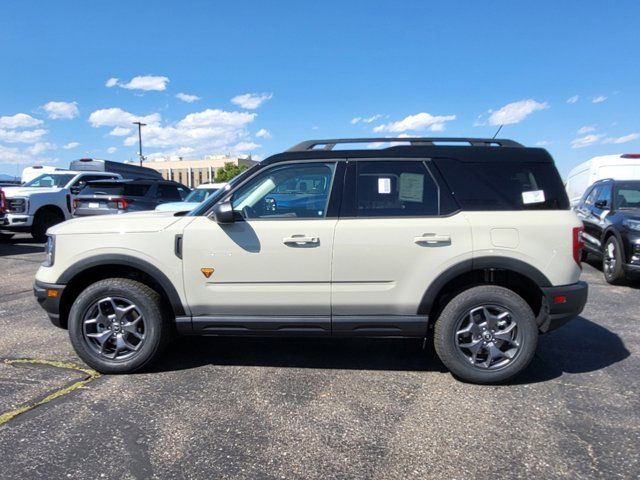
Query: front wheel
[
  {"x": 612, "y": 261},
  {"x": 486, "y": 334},
  {"x": 41, "y": 223},
  {"x": 117, "y": 326}
]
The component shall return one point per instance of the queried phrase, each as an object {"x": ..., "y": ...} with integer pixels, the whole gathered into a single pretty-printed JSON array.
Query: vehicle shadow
[
  {"x": 581, "y": 346},
  {"x": 20, "y": 246}
]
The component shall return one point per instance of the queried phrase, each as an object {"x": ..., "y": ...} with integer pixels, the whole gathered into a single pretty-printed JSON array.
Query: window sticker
[
  {"x": 533, "y": 196},
  {"x": 411, "y": 187},
  {"x": 384, "y": 185}
]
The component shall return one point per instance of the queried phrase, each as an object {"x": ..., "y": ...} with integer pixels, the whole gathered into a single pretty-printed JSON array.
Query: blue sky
[{"x": 564, "y": 75}]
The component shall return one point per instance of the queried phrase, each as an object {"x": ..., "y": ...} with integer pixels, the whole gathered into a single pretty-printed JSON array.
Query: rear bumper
[
  {"x": 563, "y": 304},
  {"x": 48, "y": 296}
]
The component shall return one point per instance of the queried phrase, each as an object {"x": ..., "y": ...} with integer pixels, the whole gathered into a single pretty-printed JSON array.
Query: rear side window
[
  {"x": 504, "y": 185},
  {"x": 395, "y": 189},
  {"x": 168, "y": 193},
  {"x": 116, "y": 189}
]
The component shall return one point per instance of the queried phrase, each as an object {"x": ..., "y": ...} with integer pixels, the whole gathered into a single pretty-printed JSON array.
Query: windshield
[
  {"x": 213, "y": 198},
  {"x": 200, "y": 195},
  {"x": 50, "y": 180},
  {"x": 628, "y": 195}
]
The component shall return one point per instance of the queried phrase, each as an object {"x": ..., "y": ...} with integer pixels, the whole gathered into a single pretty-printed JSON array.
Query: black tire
[
  {"x": 6, "y": 236},
  {"x": 41, "y": 223},
  {"x": 612, "y": 261},
  {"x": 157, "y": 328},
  {"x": 446, "y": 337}
]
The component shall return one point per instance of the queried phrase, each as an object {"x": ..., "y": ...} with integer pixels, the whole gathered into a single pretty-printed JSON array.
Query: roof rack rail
[{"x": 329, "y": 144}]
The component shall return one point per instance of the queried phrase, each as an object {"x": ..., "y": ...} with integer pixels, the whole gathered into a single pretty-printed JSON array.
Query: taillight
[
  {"x": 75, "y": 203},
  {"x": 578, "y": 244},
  {"x": 3, "y": 202},
  {"x": 123, "y": 203}
]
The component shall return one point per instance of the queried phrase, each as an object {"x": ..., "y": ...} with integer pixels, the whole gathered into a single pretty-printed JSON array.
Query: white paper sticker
[
  {"x": 411, "y": 187},
  {"x": 534, "y": 196},
  {"x": 384, "y": 185}
]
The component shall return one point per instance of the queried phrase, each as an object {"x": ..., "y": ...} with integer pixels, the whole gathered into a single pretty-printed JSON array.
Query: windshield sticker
[{"x": 384, "y": 185}]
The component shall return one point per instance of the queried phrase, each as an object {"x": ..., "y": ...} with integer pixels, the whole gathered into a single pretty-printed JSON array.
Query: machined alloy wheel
[
  {"x": 488, "y": 336},
  {"x": 610, "y": 261},
  {"x": 114, "y": 328}
]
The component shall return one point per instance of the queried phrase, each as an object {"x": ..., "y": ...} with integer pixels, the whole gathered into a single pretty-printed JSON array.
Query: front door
[{"x": 270, "y": 270}]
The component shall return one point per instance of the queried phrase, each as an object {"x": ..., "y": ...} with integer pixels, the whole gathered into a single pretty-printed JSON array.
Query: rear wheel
[
  {"x": 487, "y": 334},
  {"x": 42, "y": 221},
  {"x": 612, "y": 261},
  {"x": 117, "y": 326}
]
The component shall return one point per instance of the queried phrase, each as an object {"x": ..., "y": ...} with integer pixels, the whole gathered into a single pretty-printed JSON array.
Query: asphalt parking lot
[{"x": 270, "y": 408}]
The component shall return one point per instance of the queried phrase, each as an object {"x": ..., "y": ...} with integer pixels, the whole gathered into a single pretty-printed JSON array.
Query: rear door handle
[
  {"x": 300, "y": 240},
  {"x": 432, "y": 239}
]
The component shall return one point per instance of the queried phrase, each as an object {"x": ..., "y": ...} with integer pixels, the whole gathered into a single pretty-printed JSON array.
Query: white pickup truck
[{"x": 44, "y": 201}]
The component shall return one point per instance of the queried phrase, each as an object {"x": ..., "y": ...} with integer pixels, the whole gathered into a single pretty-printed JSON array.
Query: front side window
[
  {"x": 50, "y": 180},
  {"x": 288, "y": 191},
  {"x": 591, "y": 198},
  {"x": 395, "y": 189},
  {"x": 604, "y": 197}
]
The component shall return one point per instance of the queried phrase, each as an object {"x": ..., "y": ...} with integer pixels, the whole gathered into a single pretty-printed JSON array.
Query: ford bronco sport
[{"x": 468, "y": 242}]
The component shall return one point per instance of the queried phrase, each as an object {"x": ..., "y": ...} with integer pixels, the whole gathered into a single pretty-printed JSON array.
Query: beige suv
[{"x": 467, "y": 242}]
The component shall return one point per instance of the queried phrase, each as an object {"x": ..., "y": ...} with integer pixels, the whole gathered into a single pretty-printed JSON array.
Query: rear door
[{"x": 392, "y": 239}]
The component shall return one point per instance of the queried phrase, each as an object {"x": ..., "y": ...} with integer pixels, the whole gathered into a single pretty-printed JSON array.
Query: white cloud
[
  {"x": 145, "y": 83},
  {"x": 19, "y": 120},
  {"x": 598, "y": 99},
  {"x": 71, "y": 145},
  {"x": 40, "y": 147},
  {"x": 586, "y": 141},
  {"x": 61, "y": 110},
  {"x": 624, "y": 139},
  {"x": 542, "y": 143},
  {"x": 573, "y": 99},
  {"x": 199, "y": 133},
  {"x": 112, "y": 150},
  {"x": 13, "y": 155},
  {"x": 22, "y": 136},
  {"x": 263, "y": 133},
  {"x": 417, "y": 122},
  {"x": 586, "y": 129},
  {"x": 116, "y": 117},
  {"x": 120, "y": 132},
  {"x": 185, "y": 97},
  {"x": 371, "y": 119},
  {"x": 251, "y": 101},
  {"x": 514, "y": 112}
]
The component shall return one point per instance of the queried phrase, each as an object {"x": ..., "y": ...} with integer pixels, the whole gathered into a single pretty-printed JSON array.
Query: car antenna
[{"x": 497, "y": 132}]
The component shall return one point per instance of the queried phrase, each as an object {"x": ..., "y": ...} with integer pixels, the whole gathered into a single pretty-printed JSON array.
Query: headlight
[
  {"x": 632, "y": 224},
  {"x": 17, "y": 205},
  {"x": 50, "y": 251}
]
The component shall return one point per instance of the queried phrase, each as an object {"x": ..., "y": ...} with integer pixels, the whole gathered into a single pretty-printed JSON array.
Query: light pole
[{"x": 140, "y": 125}]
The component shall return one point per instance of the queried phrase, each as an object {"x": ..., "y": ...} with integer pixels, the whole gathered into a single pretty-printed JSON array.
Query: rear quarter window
[{"x": 504, "y": 185}]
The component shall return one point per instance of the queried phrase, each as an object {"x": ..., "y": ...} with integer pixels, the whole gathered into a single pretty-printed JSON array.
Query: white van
[{"x": 618, "y": 167}]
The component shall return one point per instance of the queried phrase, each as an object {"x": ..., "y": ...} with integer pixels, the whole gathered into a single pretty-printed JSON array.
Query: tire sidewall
[
  {"x": 447, "y": 325},
  {"x": 42, "y": 222},
  {"x": 617, "y": 275},
  {"x": 148, "y": 307}
]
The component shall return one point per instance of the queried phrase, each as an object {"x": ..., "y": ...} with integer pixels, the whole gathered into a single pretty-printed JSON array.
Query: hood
[
  {"x": 177, "y": 207},
  {"x": 12, "y": 192},
  {"x": 135, "y": 222}
]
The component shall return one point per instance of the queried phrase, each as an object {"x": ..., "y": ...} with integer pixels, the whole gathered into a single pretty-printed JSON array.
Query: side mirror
[
  {"x": 75, "y": 190},
  {"x": 601, "y": 204},
  {"x": 223, "y": 212}
]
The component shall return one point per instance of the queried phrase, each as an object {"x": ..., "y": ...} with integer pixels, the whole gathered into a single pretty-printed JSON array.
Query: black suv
[
  {"x": 108, "y": 197},
  {"x": 610, "y": 211}
]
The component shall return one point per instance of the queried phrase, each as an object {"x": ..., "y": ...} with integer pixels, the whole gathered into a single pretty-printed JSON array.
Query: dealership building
[{"x": 194, "y": 172}]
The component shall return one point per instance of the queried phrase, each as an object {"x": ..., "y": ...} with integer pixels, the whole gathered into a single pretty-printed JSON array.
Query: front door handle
[
  {"x": 432, "y": 239},
  {"x": 300, "y": 240}
]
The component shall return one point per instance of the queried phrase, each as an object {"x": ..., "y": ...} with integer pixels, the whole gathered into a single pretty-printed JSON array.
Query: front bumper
[
  {"x": 48, "y": 296},
  {"x": 562, "y": 304},
  {"x": 16, "y": 221}
]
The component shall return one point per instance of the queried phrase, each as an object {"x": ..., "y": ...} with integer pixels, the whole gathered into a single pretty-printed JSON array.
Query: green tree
[{"x": 229, "y": 171}]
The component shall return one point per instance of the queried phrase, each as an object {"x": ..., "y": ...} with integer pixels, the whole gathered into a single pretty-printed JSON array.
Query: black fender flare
[
  {"x": 480, "y": 263},
  {"x": 129, "y": 261}
]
